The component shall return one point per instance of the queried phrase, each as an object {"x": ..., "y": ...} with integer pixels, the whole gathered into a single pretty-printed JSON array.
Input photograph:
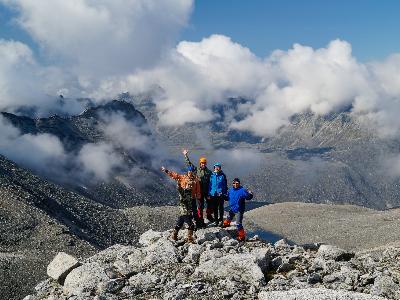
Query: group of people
[{"x": 201, "y": 187}]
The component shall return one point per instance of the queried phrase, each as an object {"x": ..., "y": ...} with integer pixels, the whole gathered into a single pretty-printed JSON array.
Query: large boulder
[
  {"x": 335, "y": 253},
  {"x": 111, "y": 254},
  {"x": 241, "y": 267},
  {"x": 61, "y": 265},
  {"x": 150, "y": 237},
  {"x": 386, "y": 287},
  {"x": 162, "y": 252},
  {"x": 213, "y": 233},
  {"x": 85, "y": 279}
]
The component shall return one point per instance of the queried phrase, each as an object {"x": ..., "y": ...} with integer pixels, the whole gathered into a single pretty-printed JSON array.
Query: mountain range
[{"x": 333, "y": 159}]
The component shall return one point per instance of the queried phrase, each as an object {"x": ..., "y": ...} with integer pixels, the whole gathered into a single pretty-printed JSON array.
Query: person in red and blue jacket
[
  {"x": 237, "y": 197},
  {"x": 217, "y": 192}
]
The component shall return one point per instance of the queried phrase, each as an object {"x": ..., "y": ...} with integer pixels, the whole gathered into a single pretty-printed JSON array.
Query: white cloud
[
  {"x": 99, "y": 160},
  {"x": 103, "y": 37},
  {"x": 43, "y": 152},
  {"x": 18, "y": 75},
  {"x": 198, "y": 75},
  {"x": 84, "y": 44}
]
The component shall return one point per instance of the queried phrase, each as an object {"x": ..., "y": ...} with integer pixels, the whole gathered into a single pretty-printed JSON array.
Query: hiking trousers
[
  {"x": 188, "y": 219},
  {"x": 239, "y": 218}
]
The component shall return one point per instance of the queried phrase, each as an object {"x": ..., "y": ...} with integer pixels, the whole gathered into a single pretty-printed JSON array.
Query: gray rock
[
  {"x": 282, "y": 244},
  {"x": 241, "y": 266},
  {"x": 285, "y": 267},
  {"x": 366, "y": 279},
  {"x": 162, "y": 252},
  {"x": 106, "y": 296},
  {"x": 61, "y": 265},
  {"x": 335, "y": 253},
  {"x": 385, "y": 286},
  {"x": 150, "y": 237},
  {"x": 331, "y": 277},
  {"x": 262, "y": 257},
  {"x": 207, "y": 234},
  {"x": 314, "y": 278},
  {"x": 315, "y": 293},
  {"x": 278, "y": 282},
  {"x": 230, "y": 242},
  {"x": 111, "y": 254},
  {"x": 193, "y": 254},
  {"x": 144, "y": 281},
  {"x": 111, "y": 286},
  {"x": 131, "y": 265},
  {"x": 311, "y": 246},
  {"x": 175, "y": 295},
  {"x": 85, "y": 279},
  {"x": 276, "y": 262},
  {"x": 209, "y": 255}
]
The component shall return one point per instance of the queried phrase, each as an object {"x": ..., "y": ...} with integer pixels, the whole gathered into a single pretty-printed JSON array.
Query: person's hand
[
  {"x": 208, "y": 197},
  {"x": 163, "y": 169},
  {"x": 185, "y": 152}
]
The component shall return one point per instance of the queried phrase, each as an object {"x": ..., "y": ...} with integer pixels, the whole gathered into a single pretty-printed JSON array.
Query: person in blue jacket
[
  {"x": 217, "y": 191},
  {"x": 237, "y": 197}
]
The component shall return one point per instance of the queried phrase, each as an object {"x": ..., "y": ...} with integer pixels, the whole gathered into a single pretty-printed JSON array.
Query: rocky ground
[
  {"x": 217, "y": 266},
  {"x": 346, "y": 226}
]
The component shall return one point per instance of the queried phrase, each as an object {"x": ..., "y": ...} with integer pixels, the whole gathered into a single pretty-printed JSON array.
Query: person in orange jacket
[
  {"x": 189, "y": 190},
  {"x": 204, "y": 174}
]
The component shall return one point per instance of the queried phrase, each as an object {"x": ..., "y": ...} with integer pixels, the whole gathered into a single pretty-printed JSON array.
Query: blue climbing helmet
[
  {"x": 217, "y": 164},
  {"x": 190, "y": 168}
]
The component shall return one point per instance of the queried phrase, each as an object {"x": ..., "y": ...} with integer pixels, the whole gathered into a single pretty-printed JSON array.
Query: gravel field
[{"x": 346, "y": 226}]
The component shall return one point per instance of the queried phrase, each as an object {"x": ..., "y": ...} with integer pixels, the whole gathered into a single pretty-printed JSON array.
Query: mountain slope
[
  {"x": 39, "y": 218},
  {"x": 135, "y": 182}
]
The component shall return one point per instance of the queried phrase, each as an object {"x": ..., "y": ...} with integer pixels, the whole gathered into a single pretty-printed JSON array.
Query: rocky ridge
[{"x": 217, "y": 266}]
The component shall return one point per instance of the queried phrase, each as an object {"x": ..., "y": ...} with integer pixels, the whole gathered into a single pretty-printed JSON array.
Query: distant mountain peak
[{"x": 114, "y": 106}]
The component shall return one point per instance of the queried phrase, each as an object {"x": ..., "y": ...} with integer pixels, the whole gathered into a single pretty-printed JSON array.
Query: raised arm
[
  {"x": 171, "y": 174},
  {"x": 185, "y": 153}
]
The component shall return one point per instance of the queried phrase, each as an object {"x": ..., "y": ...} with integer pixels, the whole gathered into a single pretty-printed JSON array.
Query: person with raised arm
[
  {"x": 189, "y": 190},
  {"x": 204, "y": 174}
]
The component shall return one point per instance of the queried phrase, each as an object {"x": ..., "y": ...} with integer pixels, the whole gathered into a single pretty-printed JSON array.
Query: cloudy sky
[{"x": 287, "y": 57}]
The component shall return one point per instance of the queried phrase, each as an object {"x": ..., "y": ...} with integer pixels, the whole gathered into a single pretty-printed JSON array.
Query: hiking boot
[
  {"x": 201, "y": 224},
  {"x": 210, "y": 219},
  {"x": 226, "y": 223},
  {"x": 190, "y": 236},
  {"x": 174, "y": 235},
  {"x": 241, "y": 235}
]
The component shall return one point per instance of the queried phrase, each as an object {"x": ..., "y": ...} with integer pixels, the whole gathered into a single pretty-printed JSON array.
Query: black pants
[
  {"x": 188, "y": 219},
  {"x": 218, "y": 207},
  {"x": 210, "y": 209}
]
